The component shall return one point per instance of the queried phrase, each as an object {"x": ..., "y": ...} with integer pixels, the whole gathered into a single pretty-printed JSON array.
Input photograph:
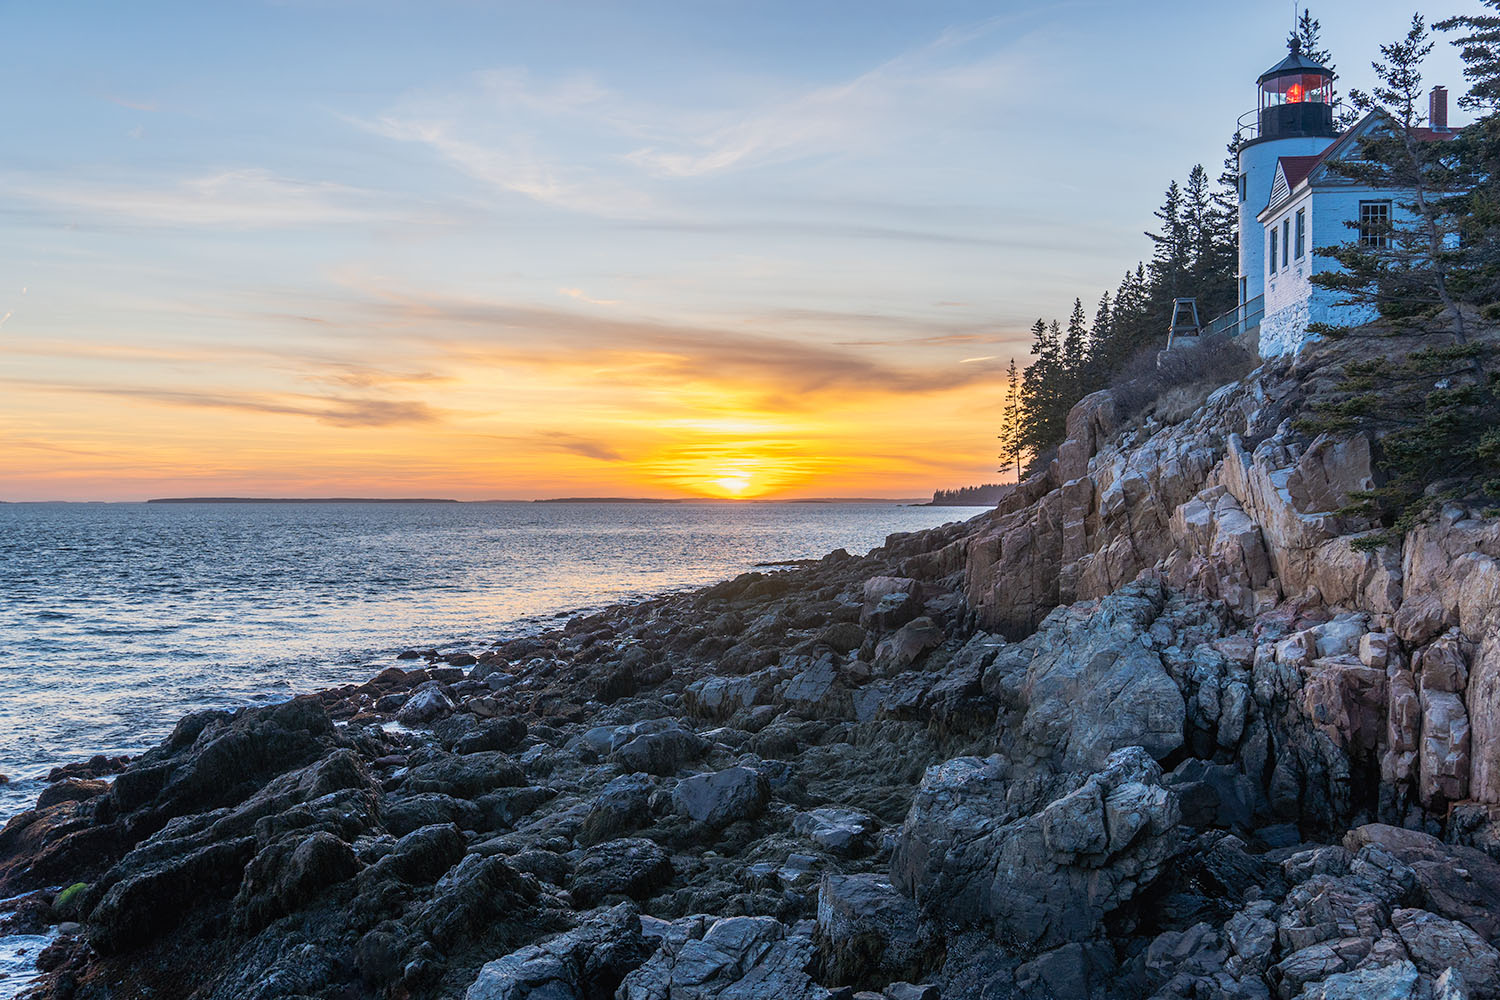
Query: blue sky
[{"x": 349, "y": 217}]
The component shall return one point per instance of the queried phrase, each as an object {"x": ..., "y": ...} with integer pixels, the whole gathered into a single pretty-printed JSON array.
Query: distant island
[
  {"x": 607, "y": 500},
  {"x": 972, "y": 496},
  {"x": 302, "y": 500}
]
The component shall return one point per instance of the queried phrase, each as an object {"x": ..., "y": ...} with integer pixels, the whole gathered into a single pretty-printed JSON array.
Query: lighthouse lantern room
[
  {"x": 1296, "y": 98},
  {"x": 1293, "y": 118}
]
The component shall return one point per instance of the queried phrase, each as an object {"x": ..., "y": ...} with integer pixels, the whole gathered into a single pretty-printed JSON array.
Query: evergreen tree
[
  {"x": 1434, "y": 412},
  {"x": 1011, "y": 432},
  {"x": 1042, "y": 392},
  {"x": 1213, "y": 246},
  {"x": 1099, "y": 332},
  {"x": 1174, "y": 252},
  {"x": 1306, "y": 36},
  {"x": 1477, "y": 211},
  {"x": 1402, "y": 266},
  {"x": 1436, "y": 416},
  {"x": 1480, "y": 51},
  {"x": 1075, "y": 353}
]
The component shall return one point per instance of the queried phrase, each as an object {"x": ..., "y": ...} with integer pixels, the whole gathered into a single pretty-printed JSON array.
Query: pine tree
[
  {"x": 1480, "y": 51},
  {"x": 1434, "y": 412},
  {"x": 1436, "y": 416},
  {"x": 1075, "y": 353},
  {"x": 1477, "y": 147},
  {"x": 1404, "y": 268},
  {"x": 1173, "y": 255},
  {"x": 1011, "y": 434},
  {"x": 1042, "y": 393},
  {"x": 1213, "y": 247},
  {"x": 1306, "y": 36},
  {"x": 1099, "y": 332}
]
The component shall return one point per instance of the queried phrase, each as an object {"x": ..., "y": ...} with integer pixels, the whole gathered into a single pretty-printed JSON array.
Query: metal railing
[{"x": 1237, "y": 320}]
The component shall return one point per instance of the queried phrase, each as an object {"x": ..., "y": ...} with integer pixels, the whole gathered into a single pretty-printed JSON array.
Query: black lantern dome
[{"x": 1296, "y": 98}]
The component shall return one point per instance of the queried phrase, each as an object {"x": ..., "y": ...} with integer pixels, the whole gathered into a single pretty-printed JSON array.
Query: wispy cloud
[
  {"x": 587, "y": 447},
  {"x": 340, "y": 411},
  {"x": 251, "y": 198},
  {"x": 507, "y": 130},
  {"x": 581, "y": 296},
  {"x": 523, "y": 135},
  {"x": 784, "y": 372},
  {"x": 873, "y": 109}
]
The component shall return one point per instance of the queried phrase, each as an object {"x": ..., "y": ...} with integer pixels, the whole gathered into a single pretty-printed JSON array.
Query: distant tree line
[{"x": 972, "y": 496}]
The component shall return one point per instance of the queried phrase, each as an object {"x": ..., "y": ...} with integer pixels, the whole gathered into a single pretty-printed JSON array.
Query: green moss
[{"x": 70, "y": 898}]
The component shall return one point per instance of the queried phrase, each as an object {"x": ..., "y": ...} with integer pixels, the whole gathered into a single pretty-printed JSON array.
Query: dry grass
[{"x": 1170, "y": 385}]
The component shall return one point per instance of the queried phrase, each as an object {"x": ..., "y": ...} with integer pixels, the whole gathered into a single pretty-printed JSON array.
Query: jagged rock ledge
[{"x": 1152, "y": 728}]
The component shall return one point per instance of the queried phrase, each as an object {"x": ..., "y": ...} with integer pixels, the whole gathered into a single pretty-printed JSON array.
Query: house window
[
  {"x": 1375, "y": 224},
  {"x": 1286, "y": 242},
  {"x": 1301, "y": 232},
  {"x": 1273, "y": 250}
]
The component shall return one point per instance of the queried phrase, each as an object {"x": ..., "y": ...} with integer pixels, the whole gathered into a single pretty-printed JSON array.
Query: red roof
[{"x": 1297, "y": 168}]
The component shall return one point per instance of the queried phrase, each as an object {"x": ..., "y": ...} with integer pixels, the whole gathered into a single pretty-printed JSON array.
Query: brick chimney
[{"x": 1437, "y": 109}]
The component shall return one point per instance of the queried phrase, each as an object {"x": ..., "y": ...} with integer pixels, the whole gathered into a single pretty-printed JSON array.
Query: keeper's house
[{"x": 1292, "y": 201}]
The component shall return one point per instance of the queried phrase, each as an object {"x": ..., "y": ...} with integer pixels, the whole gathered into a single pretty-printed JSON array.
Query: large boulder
[
  {"x": 588, "y": 961},
  {"x": 1038, "y": 879},
  {"x": 662, "y": 750},
  {"x": 631, "y": 866},
  {"x": 155, "y": 886},
  {"x": 1087, "y": 685},
  {"x": 424, "y": 706},
  {"x": 621, "y": 807},
  {"x": 464, "y": 776},
  {"x": 288, "y": 873},
  {"x": 733, "y": 958},
  {"x": 904, "y": 646},
  {"x": 1437, "y": 944},
  {"x": 870, "y": 932},
  {"x": 722, "y": 797},
  {"x": 843, "y": 831},
  {"x": 215, "y": 759},
  {"x": 890, "y": 602},
  {"x": 1460, "y": 883}
]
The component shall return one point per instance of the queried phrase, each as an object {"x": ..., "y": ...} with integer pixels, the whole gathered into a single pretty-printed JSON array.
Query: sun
[{"x": 733, "y": 484}]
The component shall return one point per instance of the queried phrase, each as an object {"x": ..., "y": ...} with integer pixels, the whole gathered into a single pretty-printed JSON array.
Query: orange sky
[{"x": 395, "y": 395}]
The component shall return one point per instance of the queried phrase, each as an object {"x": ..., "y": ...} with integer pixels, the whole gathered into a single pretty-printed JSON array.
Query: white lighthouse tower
[{"x": 1294, "y": 118}]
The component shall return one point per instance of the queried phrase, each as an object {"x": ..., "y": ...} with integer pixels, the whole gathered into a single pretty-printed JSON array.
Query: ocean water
[{"x": 117, "y": 619}]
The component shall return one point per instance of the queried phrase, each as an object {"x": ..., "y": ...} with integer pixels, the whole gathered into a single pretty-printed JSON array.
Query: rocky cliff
[{"x": 1154, "y": 727}]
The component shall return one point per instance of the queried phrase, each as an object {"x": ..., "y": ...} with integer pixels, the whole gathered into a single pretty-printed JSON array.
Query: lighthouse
[{"x": 1294, "y": 117}]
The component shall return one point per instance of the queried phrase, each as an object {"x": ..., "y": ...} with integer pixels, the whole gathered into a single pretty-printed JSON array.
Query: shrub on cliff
[
  {"x": 1434, "y": 414},
  {"x": 1154, "y": 377}
]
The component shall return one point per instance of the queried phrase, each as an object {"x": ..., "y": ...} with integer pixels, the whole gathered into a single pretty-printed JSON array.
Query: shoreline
[{"x": 565, "y": 681}]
